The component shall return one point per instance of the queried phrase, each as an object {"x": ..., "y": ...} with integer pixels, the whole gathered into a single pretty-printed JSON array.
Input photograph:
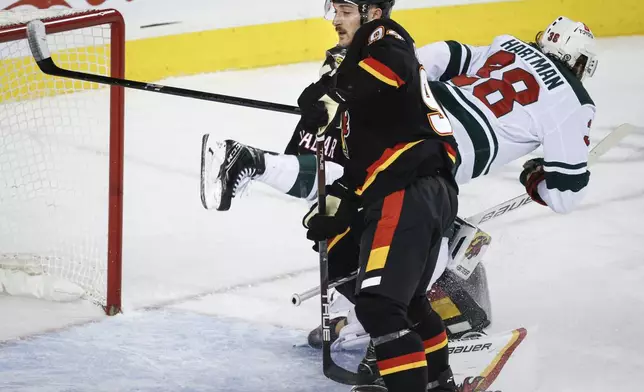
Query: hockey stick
[
  {"x": 298, "y": 298},
  {"x": 608, "y": 142},
  {"x": 330, "y": 369},
  {"x": 37, "y": 37}
]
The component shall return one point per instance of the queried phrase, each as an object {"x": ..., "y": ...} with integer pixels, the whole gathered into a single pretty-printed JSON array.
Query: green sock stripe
[{"x": 305, "y": 178}]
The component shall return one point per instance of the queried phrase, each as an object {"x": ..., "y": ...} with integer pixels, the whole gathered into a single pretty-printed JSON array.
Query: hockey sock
[
  {"x": 296, "y": 175},
  {"x": 399, "y": 350},
  {"x": 430, "y": 328},
  {"x": 401, "y": 361},
  {"x": 283, "y": 174},
  {"x": 306, "y": 177}
]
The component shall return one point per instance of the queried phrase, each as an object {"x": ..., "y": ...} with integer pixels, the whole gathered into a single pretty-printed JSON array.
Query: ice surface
[
  {"x": 196, "y": 279},
  {"x": 168, "y": 350}
]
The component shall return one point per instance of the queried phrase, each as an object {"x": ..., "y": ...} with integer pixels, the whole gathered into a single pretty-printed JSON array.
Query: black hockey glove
[
  {"x": 318, "y": 109},
  {"x": 341, "y": 207},
  {"x": 314, "y": 112},
  {"x": 531, "y": 176}
]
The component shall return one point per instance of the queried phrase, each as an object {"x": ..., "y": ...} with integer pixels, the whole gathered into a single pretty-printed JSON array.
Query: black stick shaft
[
  {"x": 324, "y": 256},
  {"x": 48, "y": 66}
]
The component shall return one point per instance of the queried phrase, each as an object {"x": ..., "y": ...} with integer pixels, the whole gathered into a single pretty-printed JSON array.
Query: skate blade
[{"x": 212, "y": 157}]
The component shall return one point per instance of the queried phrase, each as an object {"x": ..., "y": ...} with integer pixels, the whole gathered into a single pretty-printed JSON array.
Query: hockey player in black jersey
[{"x": 399, "y": 153}]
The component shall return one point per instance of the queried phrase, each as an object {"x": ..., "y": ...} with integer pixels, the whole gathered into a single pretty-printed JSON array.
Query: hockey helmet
[
  {"x": 363, "y": 7},
  {"x": 571, "y": 43}
]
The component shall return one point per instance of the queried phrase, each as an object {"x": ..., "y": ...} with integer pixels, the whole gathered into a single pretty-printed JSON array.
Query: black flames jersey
[
  {"x": 303, "y": 143},
  {"x": 392, "y": 128}
]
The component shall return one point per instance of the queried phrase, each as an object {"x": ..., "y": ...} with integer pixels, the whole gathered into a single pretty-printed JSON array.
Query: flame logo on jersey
[{"x": 345, "y": 131}]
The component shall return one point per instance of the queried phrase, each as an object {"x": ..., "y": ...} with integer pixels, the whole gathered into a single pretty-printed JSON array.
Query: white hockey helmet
[{"x": 572, "y": 43}]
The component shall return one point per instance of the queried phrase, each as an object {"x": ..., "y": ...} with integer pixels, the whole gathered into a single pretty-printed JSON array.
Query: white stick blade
[
  {"x": 37, "y": 37},
  {"x": 612, "y": 140}
]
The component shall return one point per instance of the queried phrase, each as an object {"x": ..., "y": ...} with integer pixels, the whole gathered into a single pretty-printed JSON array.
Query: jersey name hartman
[{"x": 542, "y": 66}]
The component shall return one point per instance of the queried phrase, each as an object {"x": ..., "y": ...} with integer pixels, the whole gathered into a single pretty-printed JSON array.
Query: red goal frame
[{"x": 116, "y": 140}]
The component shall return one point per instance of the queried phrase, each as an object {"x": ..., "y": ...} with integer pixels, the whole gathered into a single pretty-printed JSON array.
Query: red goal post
[{"x": 61, "y": 157}]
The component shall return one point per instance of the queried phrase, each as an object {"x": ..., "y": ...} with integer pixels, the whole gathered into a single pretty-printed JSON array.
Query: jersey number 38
[{"x": 499, "y": 95}]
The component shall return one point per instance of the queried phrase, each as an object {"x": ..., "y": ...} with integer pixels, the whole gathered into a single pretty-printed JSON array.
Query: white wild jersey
[{"x": 507, "y": 99}]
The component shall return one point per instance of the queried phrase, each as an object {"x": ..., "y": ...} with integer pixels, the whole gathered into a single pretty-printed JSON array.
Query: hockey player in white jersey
[{"x": 506, "y": 99}]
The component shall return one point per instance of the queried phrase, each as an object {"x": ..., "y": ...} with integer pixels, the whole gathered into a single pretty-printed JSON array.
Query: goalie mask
[
  {"x": 363, "y": 7},
  {"x": 571, "y": 43}
]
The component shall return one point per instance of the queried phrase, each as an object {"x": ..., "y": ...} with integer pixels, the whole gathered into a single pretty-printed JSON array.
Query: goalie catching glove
[
  {"x": 341, "y": 207},
  {"x": 531, "y": 177}
]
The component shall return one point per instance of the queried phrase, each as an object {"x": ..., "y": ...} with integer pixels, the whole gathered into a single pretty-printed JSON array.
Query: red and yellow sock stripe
[
  {"x": 402, "y": 363},
  {"x": 436, "y": 343}
]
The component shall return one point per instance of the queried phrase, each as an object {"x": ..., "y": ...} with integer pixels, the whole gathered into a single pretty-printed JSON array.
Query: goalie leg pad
[{"x": 467, "y": 246}]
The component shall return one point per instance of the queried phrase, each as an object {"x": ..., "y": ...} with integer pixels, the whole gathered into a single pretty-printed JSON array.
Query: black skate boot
[
  {"x": 368, "y": 374},
  {"x": 368, "y": 367},
  {"x": 445, "y": 383},
  {"x": 226, "y": 169}
]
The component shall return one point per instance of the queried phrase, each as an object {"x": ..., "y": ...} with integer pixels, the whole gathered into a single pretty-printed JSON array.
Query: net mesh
[{"x": 54, "y": 164}]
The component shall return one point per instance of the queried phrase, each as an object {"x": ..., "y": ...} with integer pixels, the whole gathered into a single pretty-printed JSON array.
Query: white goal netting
[{"x": 54, "y": 161}]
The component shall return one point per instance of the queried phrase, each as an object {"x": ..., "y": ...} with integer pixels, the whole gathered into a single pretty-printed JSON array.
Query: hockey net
[{"x": 61, "y": 160}]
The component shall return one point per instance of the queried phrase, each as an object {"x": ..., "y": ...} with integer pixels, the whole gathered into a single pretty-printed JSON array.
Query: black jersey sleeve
[{"x": 380, "y": 60}]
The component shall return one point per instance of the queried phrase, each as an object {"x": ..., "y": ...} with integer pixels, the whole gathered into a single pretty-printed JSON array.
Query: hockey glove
[
  {"x": 314, "y": 114},
  {"x": 341, "y": 207},
  {"x": 318, "y": 109},
  {"x": 531, "y": 177}
]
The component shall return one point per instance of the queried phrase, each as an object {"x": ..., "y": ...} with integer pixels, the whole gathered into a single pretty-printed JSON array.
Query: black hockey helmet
[{"x": 363, "y": 7}]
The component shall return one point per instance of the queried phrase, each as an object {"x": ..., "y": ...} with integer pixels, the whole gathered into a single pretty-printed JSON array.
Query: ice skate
[{"x": 226, "y": 169}]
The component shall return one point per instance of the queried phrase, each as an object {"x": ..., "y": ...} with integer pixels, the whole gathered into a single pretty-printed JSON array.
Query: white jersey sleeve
[
  {"x": 504, "y": 101},
  {"x": 445, "y": 59},
  {"x": 565, "y": 152}
]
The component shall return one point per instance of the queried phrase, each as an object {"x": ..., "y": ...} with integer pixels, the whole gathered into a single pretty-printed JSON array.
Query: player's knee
[
  {"x": 427, "y": 323},
  {"x": 419, "y": 308},
  {"x": 380, "y": 315},
  {"x": 348, "y": 290}
]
